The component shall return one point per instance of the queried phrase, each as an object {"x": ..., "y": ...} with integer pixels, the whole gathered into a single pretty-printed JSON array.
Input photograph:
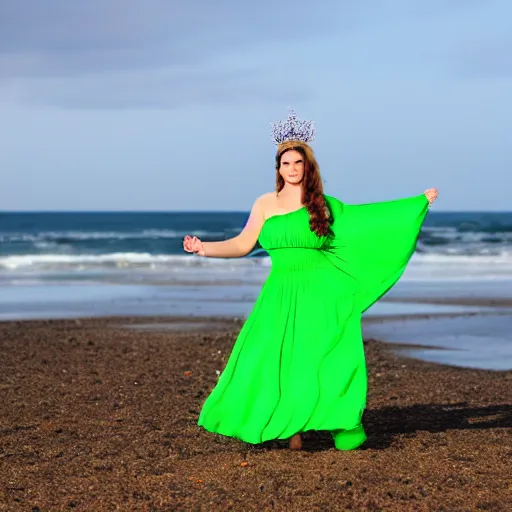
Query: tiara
[{"x": 292, "y": 129}]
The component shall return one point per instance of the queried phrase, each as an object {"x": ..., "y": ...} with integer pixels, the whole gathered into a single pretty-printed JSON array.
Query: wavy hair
[{"x": 312, "y": 187}]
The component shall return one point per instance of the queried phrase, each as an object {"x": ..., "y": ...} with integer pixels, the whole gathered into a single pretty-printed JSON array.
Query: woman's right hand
[
  {"x": 193, "y": 244},
  {"x": 431, "y": 194}
]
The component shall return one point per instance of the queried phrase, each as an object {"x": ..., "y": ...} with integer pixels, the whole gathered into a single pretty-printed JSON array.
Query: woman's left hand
[{"x": 431, "y": 194}]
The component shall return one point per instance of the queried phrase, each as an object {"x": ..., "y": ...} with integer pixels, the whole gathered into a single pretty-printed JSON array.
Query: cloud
[
  {"x": 164, "y": 53},
  {"x": 166, "y": 88},
  {"x": 66, "y": 38},
  {"x": 160, "y": 53}
]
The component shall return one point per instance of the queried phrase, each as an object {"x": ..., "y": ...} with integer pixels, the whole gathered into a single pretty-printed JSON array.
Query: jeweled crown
[{"x": 292, "y": 129}]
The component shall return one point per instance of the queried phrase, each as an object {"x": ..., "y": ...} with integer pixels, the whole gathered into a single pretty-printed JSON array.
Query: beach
[{"x": 101, "y": 414}]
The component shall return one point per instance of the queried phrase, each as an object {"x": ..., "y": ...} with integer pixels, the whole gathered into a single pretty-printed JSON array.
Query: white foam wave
[
  {"x": 452, "y": 235},
  {"x": 140, "y": 265},
  {"x": 120, "y": 260},
  {"x": 459, "y": 267}
]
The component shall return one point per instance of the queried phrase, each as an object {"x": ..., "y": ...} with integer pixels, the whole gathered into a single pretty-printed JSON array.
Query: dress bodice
[
  {"x": 291, "y": 244},
  {"x": 289, "y": 230}
]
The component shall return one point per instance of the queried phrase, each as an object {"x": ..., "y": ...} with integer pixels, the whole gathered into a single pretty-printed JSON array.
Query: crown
[{"x": 292, "y": 129}]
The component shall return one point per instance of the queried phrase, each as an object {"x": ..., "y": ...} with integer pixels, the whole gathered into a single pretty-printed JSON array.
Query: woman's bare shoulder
[
  {"x": 267, "y": 196},
  {"x": 266, "y": 204},
  {"x": 266, "y": 200}
]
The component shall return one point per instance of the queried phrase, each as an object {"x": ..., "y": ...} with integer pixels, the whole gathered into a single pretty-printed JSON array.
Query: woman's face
[{"x": 292, "y": 166}]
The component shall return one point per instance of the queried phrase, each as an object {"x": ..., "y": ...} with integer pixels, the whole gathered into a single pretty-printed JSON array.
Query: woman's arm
[{"x": 235, "y": 247}]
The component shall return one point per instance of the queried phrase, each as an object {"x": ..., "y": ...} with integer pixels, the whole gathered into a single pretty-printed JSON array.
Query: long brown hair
[{"x": 312, "y": 187}]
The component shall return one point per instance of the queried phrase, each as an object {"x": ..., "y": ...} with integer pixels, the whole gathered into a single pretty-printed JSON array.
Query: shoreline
[
  {"x": 484, "y": 302},
  {"x": 81, "y": 300},
  {"x": 505, "y": 302},
  {"x": 147, "y": 323},
  {"x": 99, "y": 415}
]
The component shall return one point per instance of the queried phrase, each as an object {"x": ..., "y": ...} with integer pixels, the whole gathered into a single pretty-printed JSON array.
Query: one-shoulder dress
[{"x": 298, "y": 362}]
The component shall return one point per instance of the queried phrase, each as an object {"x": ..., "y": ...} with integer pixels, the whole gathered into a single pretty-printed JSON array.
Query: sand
[{"x": 97, "y": 415}]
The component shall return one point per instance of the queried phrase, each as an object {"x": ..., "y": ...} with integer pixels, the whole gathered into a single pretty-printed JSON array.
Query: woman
[{"x": 298, "y": 363}]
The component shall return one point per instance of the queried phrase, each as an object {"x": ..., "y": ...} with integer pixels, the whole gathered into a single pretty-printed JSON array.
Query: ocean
[
  {"x": 68, "y": 264},
  {"x": 147, "y": 247}
]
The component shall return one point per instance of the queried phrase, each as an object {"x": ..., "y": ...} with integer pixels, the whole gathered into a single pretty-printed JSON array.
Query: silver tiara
[{"x": 292, "y": 129}]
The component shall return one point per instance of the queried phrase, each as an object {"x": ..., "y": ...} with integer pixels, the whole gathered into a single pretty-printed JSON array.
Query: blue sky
[{"x": 164, "y": 105}]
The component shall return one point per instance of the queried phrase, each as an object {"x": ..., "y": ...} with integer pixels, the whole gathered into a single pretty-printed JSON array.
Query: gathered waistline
[{"x": 298, "y": 259}]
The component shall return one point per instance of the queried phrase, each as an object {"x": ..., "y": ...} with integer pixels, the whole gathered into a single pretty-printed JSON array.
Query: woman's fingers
[
  {"x": 187, "y": 243},
  {"x": 431, "y": 194},
  {"x": 192, "y": 244}
]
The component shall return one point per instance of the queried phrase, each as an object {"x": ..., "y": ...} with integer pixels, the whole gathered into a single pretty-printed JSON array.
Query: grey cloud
[
  {"x": 156, "y": 89},
  {"x": 55, "y": 37},
  {"x": 116, "y": 54}
]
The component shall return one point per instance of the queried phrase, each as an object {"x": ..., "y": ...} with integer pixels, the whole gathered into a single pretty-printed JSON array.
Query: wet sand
[{"x": 98, "y": 415}]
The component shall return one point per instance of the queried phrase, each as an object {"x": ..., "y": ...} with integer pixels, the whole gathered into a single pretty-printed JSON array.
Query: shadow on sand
[{"x": 383, "y": 425}]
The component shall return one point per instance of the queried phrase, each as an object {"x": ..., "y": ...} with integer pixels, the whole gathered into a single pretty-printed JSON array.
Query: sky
[{"x": 166, "y": 105}]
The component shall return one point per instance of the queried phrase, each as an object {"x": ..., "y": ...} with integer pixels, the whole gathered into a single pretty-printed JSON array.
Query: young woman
[{"x": 298, "y": 363}]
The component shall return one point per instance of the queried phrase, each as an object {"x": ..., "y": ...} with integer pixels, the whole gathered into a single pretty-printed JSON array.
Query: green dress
[{"x": 298, "y": 363}]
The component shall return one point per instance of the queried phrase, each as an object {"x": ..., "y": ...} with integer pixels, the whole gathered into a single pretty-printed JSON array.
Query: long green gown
[{"x": 298, "y": 363}]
